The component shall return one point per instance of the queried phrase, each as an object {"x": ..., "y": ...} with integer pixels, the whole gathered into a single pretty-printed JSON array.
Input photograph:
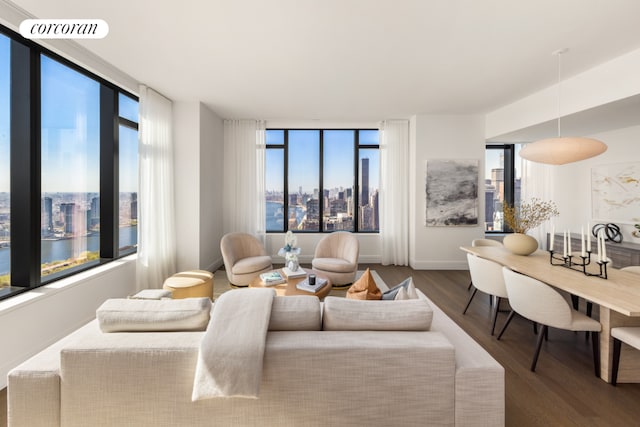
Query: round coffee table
[{"x": 289, "y": 287}]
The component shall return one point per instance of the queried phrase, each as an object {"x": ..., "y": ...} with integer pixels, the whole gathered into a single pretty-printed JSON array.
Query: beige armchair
[
  {"x": 336, "y": 256},
  {"x": 244, "y": 258}
]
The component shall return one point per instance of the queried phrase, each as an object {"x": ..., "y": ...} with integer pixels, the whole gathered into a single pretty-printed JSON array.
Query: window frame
[
  {"x": 508, "y": 179},
  {"x": 26, "y": 165},
  {"x": 356, "y": 185}
]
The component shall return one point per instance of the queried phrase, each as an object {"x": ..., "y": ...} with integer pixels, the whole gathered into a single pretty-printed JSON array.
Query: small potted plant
[{"x": 524, "y": 217}]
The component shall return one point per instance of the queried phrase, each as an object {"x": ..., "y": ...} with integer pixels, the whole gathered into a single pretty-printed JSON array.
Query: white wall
[
  {"x": 31, "y": 321},
  {"x": 198, "y": 153},
  {"x": 573, "y": 180},
  {"x": 211, "y": 177},
  {"x": 442, "y": 137},
  {"x": 605, "y": 83}
]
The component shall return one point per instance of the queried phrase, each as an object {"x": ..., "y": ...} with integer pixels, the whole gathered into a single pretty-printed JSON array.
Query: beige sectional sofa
[{"x": 311, "y": 377}]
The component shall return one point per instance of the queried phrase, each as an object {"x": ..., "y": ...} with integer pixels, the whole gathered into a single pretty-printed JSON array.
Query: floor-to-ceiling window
[
  {"x": 68, "y": 167},
  {"x": 322, "y": 180},
  {"x": 5, "y": 176},
  {"x": 502, "y": 183},
  {"x": 128, "y": 169}
]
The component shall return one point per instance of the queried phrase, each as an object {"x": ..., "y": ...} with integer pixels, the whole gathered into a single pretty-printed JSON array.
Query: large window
[
  {"x": 68, "y": 167},
  {"x": 128, "y": 169},
  {"x": 502, "y": 183},
  {"x": 322, "y": 180},
  {"x": 5, "y": 153}
]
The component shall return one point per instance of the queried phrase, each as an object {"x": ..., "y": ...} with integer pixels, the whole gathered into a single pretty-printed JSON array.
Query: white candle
[
  {"x": 599, "y": 242},
  {"x": 604, "y": 248},
  {"x": 582, "y": 252},
  {"x": 564, "y": 244},
  {"x": 588, "y": 237},
  {"x": 568, "y": 242},
  {"x": 552, "y": 237}
]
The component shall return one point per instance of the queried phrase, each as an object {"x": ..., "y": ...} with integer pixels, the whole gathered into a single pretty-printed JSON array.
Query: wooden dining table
[{"x": 618, "y": 297}]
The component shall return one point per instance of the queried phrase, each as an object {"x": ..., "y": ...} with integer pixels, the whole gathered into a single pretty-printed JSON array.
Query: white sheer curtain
[
  {"x": 244, "y": 163},
  {"x": 156, "y": 226},
  {"x": 537, "y": 181},
  {"x": 394, "y": 192}
]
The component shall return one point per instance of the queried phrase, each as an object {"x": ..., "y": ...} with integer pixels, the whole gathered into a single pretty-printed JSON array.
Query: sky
[
  {"x": 4, "y": 113},
  {"x": 70, "y": 130},
  {"x": 304, "y": 159}
]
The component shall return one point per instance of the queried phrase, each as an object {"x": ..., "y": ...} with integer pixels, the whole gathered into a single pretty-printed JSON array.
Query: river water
[{"x": 58, "y": 250}]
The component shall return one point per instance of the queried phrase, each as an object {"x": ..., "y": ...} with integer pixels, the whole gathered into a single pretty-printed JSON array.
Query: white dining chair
[
  {"x": 487, "y": 277},
  {"x": 629, "y": 335},
  {"x": 483, "y": 242},
  {"x": 542, "y": 304}
]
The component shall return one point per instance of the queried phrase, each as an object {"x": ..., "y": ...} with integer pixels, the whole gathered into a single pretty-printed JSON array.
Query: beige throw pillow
[{"x": 364, "y": 288}]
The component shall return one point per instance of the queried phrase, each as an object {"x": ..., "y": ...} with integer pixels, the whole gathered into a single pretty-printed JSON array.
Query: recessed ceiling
[{"x": 355, "y": 59}]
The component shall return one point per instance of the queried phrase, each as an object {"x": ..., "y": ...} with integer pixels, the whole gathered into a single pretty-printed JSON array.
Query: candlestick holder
[{"x": 568, "y": 262}]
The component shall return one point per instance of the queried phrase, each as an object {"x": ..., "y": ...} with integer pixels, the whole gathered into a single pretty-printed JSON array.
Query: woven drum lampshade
[{"x": 562, "y": 150}]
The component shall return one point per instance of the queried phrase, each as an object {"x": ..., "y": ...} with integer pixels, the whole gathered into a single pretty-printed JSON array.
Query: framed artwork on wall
[
  {"x": 615, "y": 192},
  {"x": 451, "y": 193}
]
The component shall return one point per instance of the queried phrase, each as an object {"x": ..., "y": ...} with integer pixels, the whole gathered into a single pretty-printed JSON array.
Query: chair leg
[
  {"x": 589, "y": 308},
  {"x": 541, "y": 335},
  {"x": 470, "y": 285},
  {"x": 496, "y": 308},
  {"x": 617, "y": 344},
  {"x": 575, "y": 301},
  {"x": 596, "y": 353},
  {"x": 469, "y": 302},
  {"x": 504, "y": 328},
  {"x": 535, "y": 328}
]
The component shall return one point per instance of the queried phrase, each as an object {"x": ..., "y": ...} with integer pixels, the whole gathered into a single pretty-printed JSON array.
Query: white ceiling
[{"x": 352, "y": 59}]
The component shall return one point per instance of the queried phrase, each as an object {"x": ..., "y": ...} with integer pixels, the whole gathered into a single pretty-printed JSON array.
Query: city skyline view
[
  {"x": 69, "y": 166},
  {"x": 334, "y": 185}
]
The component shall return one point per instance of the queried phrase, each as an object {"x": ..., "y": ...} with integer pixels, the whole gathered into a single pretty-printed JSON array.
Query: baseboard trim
[{"x": 438, "y": 265}]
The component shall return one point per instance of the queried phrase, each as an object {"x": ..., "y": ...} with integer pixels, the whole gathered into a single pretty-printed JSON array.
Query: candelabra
[{"x": 567, "y": 261}]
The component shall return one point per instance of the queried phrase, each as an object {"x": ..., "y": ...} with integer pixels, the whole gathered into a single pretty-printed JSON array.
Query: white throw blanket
[{"x": 232, "y": 349}]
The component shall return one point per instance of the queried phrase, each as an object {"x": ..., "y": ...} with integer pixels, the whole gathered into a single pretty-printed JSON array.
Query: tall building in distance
[
  {"x": 68, "y": 211},
  {"x": 364, "y": 190},
  {"x": 47, "y": 216}
]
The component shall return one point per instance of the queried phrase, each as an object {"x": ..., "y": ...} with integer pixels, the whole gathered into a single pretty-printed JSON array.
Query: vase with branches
[{"x": 523, "y": 217}]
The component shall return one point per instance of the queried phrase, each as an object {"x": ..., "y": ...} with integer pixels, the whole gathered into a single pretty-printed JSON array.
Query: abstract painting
[
  {"x": 452, "y": 193},
  {"x": 615, "y": 192}
]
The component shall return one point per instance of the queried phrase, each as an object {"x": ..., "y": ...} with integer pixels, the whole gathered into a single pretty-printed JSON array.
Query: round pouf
[{"x": 190, "y": 284}]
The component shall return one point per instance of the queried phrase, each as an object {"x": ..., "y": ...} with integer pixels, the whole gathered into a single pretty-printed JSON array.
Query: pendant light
[{"x": 562, "y": 149}]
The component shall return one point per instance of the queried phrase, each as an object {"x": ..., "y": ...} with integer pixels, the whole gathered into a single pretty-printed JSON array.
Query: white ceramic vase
[{"x": 520, "y": 244}]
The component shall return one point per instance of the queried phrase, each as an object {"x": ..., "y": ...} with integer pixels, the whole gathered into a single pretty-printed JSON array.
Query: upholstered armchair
[
  {"x": 336, "y": 256},
  {"x": 244, "y": 258}
]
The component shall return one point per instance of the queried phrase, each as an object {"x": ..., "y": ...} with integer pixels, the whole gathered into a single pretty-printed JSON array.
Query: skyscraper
[
  {"x": 364, "y": 172},
  {"x": 68, "y": 211},
  {"x": 47, "y": 220}
]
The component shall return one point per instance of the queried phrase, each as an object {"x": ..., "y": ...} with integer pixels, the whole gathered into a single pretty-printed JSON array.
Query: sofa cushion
[
  {"x": 341, "y": 314},
  {"x": 295, "y": 313},
  {"x": 364, "y": 288},
  {"x": 136, "y": 315}
]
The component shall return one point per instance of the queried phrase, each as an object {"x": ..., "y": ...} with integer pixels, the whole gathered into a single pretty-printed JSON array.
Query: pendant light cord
[{"x": 560, "y": 52}]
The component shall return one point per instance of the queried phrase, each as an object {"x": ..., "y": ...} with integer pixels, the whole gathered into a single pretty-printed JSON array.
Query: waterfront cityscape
[
  {"x": 338, "y": 207},
  {"x": 70, "y": 230},
  {"x": 494, "y": 189}
]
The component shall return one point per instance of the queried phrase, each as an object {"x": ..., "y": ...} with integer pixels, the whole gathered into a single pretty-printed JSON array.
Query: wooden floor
[{"x": 562, "y": 392}]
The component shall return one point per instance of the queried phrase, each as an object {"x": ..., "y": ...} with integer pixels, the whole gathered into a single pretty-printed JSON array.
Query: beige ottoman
[{"x": 189, "y": 284}]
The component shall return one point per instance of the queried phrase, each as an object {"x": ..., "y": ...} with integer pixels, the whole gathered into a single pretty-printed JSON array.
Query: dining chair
[
  {"x": 629, "y": 335},
  {"x": 487, "y": 277},
  {"x": 483, "y": 242},
  {"x": 540, "y": 303}
]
